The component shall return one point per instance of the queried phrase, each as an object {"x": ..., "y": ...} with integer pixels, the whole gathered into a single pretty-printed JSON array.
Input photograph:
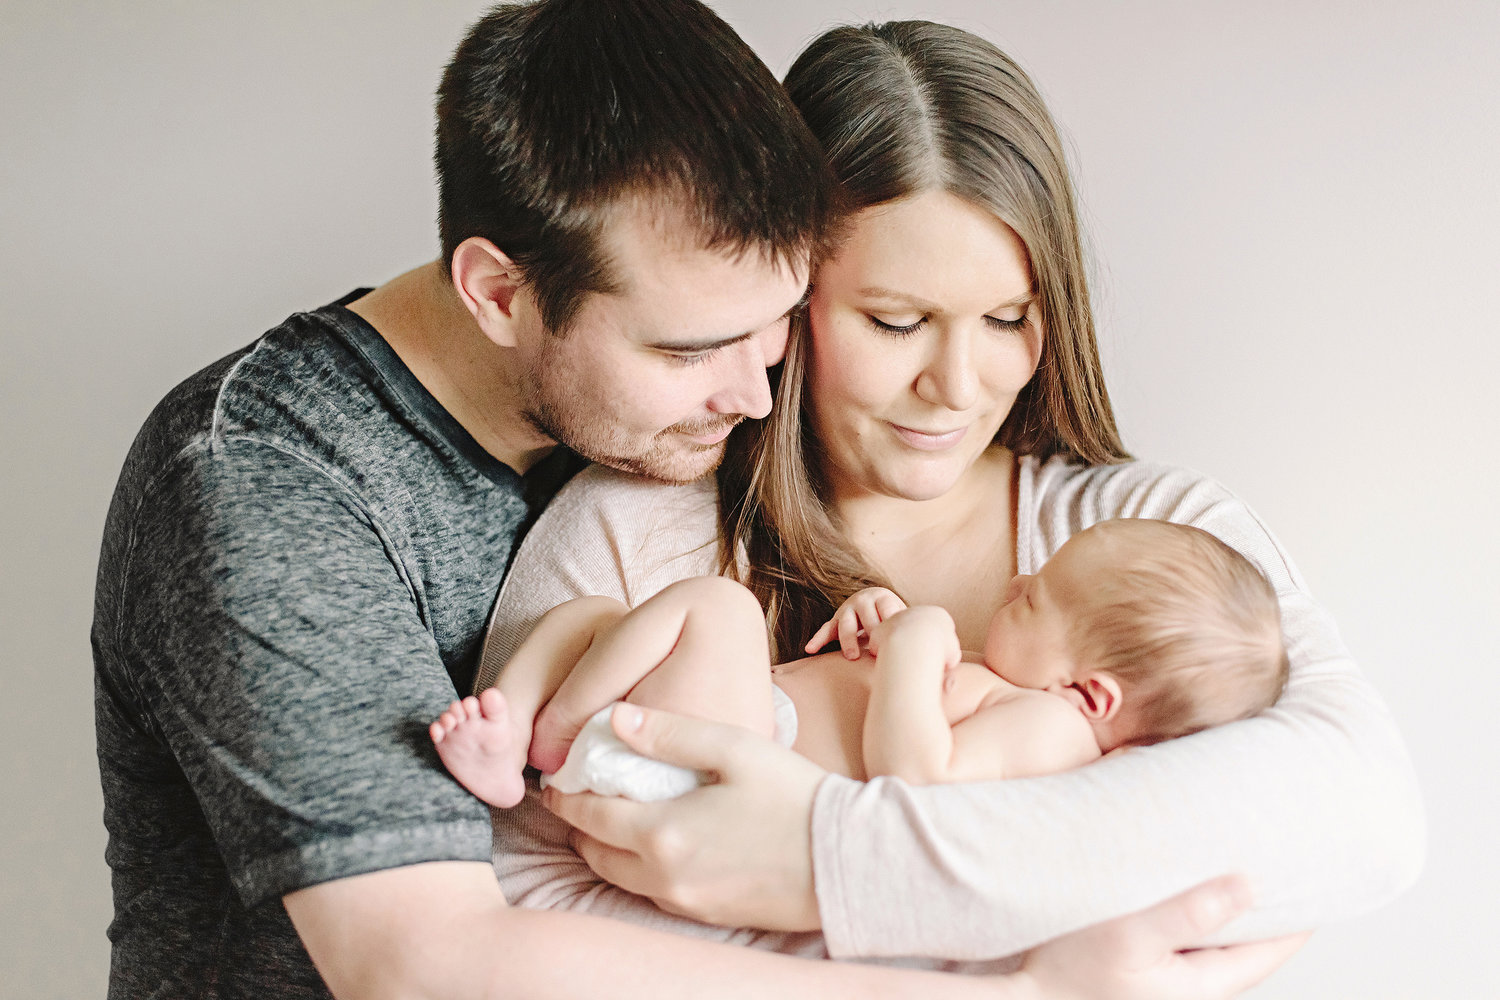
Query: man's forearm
[{"x": 443, "y": 930}]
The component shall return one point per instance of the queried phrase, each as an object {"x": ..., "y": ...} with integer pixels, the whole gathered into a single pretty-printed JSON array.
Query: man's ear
[
  {"x": 488, "y": 282},
  {"x": 1101, "y": 695}
]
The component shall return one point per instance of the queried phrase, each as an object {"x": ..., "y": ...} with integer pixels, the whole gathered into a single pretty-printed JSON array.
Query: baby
[{"x": 1134, "y": 632}]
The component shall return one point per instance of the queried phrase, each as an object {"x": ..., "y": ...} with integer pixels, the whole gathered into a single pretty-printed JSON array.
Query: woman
[{"x": 942, "y": 424}]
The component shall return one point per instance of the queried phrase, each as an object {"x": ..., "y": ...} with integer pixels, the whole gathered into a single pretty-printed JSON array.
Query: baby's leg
[
  {"x": 483, "y": 741},
  {"x": 698, "y": 648}
]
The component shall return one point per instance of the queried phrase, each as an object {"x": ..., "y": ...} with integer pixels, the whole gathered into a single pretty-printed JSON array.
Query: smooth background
[{"x": 1293, "y": 211}]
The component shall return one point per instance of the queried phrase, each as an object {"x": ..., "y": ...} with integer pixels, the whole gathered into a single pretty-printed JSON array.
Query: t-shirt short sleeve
[{"x": 280, "y": 645}]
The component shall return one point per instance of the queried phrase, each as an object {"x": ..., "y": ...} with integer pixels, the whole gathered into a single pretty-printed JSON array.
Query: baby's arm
[
  {"x": 906, "y": 729},
  {"x": 1025, "y": 734},
  {"x": 907, "y": 734}
]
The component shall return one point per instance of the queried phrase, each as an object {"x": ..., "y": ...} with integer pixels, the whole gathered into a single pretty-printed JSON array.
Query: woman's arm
[{"x": 1314, "y": 799}]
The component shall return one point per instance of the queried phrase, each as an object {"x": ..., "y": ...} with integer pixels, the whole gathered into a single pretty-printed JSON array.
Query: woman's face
[{"x": 923, "y": 331}]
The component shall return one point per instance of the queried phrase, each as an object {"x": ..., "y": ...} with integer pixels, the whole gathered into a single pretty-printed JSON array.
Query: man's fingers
[
  {"x": 1229, "y": 971},
  {"x": 1190, "y": 916}
]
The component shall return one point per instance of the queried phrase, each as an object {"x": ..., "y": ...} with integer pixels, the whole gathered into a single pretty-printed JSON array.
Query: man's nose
[{"x": 747, "y": 388}]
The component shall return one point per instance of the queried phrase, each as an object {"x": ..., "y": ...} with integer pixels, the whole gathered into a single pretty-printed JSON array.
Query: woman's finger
[
  {"x": 606, "y": 818},
  {"x": 697, "y": 744},
  {"x": 616, "y": 865}
]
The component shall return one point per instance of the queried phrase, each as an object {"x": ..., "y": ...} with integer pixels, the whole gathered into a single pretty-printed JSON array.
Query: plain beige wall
[{"x": 1294, "y": 212}]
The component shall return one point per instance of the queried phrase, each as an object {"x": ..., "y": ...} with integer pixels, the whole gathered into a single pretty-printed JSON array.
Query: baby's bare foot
[{"x": 480, "y": 747}]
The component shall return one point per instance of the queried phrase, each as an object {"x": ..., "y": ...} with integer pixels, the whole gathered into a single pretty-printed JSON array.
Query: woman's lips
[{"x": 930, "y": 440}]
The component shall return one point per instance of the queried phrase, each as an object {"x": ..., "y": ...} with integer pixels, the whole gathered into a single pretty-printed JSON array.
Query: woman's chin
[{"x": 918, "y": 488}]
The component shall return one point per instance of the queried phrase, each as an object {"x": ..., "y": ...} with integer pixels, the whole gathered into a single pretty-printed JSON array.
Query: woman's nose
[{"x": 949, "y": 379}]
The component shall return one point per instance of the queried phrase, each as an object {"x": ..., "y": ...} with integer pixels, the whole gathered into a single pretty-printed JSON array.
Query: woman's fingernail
[{"x": 629, "y": 718}]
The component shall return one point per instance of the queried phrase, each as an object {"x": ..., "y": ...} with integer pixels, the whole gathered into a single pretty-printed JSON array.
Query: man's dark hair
[{"x": 553, "y": 112}]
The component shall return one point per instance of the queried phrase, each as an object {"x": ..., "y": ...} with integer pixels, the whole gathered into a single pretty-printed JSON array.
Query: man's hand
[
  {"x": 1142, "y": 956},
  {"x": 736, "y": 853},
  {"x": 856, "y": 616}
]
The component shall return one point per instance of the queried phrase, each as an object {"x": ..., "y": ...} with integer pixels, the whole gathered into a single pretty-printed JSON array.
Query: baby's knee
[
  {"x": 595, "y": 611},
  {"x": 717, "y": 594}
]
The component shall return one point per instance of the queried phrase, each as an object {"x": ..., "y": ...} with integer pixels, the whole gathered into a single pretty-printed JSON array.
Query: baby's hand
[
  {"x": 856, "y": 617},
  {"x": 927, "y": 629}
]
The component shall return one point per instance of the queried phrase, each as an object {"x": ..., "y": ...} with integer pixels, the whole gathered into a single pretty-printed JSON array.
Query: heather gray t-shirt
[{"x": 296, "y": 572}]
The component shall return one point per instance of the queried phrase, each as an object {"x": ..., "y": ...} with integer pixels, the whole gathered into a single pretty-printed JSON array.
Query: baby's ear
[{"x": 1102, "y": 696}]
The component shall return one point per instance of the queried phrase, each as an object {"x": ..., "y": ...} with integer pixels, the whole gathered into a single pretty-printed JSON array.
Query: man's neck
[{"x": 423, "y": 320}]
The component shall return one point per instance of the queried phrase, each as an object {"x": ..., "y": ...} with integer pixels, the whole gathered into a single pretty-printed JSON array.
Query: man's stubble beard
[{"x": 667, "y": 455}]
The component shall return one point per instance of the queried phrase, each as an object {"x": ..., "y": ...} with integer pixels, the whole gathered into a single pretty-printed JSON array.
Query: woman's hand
[
  {"x": 1149, "y": 955},
  {"x": 737, "y": 852},
  {"x": 858, "y": 615}
]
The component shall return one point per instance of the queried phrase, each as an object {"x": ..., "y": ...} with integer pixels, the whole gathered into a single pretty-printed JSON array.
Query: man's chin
[{"x": 680, "y": 464}]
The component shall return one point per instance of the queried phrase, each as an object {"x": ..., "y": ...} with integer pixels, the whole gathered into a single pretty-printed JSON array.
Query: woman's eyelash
[
  {"x": 1004, "y": 325},
  {"x": 689, "y": 360},
  {"x": 900, "y": 331},
  {"x": 1008, "y": 325}
]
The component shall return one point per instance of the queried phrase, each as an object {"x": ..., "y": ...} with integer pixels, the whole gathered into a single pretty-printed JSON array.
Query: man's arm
[
  {"x": 443, "y": 930},
  {"x": 1139, "y": 956}
]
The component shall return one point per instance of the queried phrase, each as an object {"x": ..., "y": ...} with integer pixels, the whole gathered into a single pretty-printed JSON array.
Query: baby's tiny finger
[
  {"x": 820, "y": 638},
  {"x": 849, "y": 635}
]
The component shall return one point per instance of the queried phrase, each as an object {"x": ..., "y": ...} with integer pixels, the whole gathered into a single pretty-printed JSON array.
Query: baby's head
[{"x": 1154, "y": 630}]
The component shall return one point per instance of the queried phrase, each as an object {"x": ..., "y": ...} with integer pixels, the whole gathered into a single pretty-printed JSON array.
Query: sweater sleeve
[
  {"x": 1315, "y": 799},
  {"x": 607, "y": 534}
]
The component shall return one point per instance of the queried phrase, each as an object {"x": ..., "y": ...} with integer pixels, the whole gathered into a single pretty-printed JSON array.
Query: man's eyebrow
[{"x": 698, "y": 346}]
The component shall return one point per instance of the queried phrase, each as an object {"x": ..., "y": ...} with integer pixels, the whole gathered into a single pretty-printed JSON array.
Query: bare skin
[{"x": 699, "y": 648}]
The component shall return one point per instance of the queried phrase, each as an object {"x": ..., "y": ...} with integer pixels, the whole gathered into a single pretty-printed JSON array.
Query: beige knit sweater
[{"x": 1315, "y": 799}]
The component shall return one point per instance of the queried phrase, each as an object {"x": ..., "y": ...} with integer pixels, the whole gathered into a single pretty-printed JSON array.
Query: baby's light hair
[{"x": 1188, "y": 626}]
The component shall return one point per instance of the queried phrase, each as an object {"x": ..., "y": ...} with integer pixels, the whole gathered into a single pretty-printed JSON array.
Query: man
[{"x": 308, "y": 534}]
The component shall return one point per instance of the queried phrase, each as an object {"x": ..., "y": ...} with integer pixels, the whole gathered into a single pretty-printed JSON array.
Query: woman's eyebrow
[
  {"x": 875, "y": 292},
  {"x": 917, "y": 302}
]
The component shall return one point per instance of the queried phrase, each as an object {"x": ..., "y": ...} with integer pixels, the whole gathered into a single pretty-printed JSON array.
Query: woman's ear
[
  {"x": 1102, "y": 696},
  {"x": 488, "y": 282}
]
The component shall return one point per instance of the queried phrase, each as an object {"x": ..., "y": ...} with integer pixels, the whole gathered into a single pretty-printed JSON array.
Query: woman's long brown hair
[{"x": 902, "y": 108}]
